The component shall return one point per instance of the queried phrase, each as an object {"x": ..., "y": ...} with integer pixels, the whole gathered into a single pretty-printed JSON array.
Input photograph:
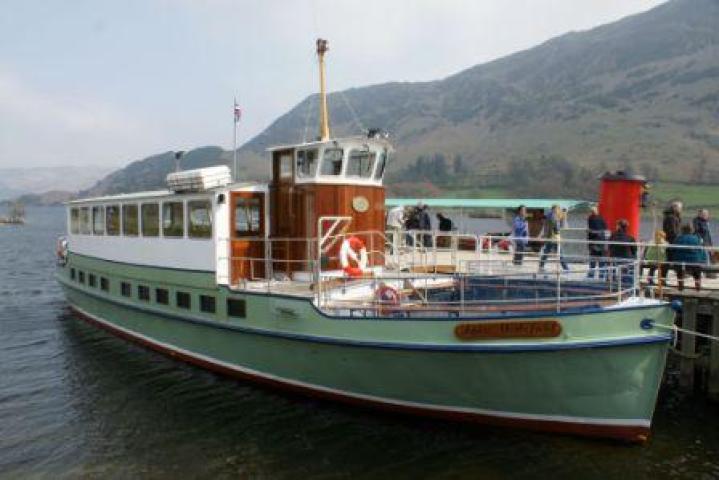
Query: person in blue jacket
[
  {"x": 688, "y": 260},
  {"x": 520, "y": 234}
]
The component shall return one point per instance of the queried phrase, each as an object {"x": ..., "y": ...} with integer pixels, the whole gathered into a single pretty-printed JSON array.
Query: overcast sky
[{"x": 87, "y": 82}]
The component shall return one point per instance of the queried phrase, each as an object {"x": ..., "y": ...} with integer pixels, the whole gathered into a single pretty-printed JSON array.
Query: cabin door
[{"x": 247, "y": 231}]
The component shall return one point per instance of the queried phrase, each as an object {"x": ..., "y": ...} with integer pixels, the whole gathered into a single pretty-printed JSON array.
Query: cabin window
[
  {"x": 104, "y": 284},
  {"x": 126, "y": 289},
  {"x": 360, "y": 163},
  {"x": 143, "y": 293},
  {"x": 81, "y": 277},
  {"x": 129, "y": 220},
  {"x": 173, "y": 224},
  {"x": 199, "y": 216},
  {"x": 98, "y": 220},
  {"x": 183, "y": 300},
  {"x": 150, "y": 219},
  {"x": 332, "y": 161},
  {"x": 85, "y": 221},
  {"x": 381, "y": 164},
  {"x": 112, "y": 219},
  {"x": 306, "y": 163},
  {"x": 162, "y": 296},
  {"x": 72, "y": 274},
  {"x": 247, "y": 216},
  {"x": 74, "y": 220},
  {"x": 236, "y": 308},
  {"x": 207, "y": 304},
  {"x": 92, "y": 280}
]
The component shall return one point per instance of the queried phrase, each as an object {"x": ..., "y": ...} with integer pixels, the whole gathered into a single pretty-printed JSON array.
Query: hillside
[{"x": 641, "y": 93}]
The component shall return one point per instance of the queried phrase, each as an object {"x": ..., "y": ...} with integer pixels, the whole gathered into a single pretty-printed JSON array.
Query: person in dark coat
[
  {"x": 623, "y": 251},
  {"x": 689, "y": 260},
  {"x": 671, "y": 225},
  {"x": 596, "y": 231},
  {"x": 425, "y": 223},
  {"x": 702, "y": 230}
]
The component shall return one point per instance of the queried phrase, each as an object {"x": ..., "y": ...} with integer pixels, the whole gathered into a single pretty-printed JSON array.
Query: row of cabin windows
[
  {"x": 208, "y": 303},
  {"x": 360, "y": 163},
  {"x": 132, "y": 219}
]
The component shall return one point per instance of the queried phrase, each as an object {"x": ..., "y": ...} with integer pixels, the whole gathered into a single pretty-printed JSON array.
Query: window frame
[
  {"x": 143, "y": 293},
  {"x": 208, "y": 304},
  {"x": 85, "y": 221},
  {"x": 104, "y": 284},
  {"x": 164, "y": 298},
  {"x": 94, "y": 219},
  {"x": 300, "y": 167},
  {"x": 370, "y": 154},
  {"x": 165, "y": 229},
  {"x": 126, "y": 289},
  {"x": 260, "y": 219},
  {"x": 128, "y": 207},
  {"x": 117, "y": 229},
  {"x": 240, "y": 310},
  {"x": 75, "y": 220},
  {"x": 324, "y": 159},
  {"x": 188, "y": 212},
  {"x": 181, "y": 304},
  {"x": 144, "y": 206}
]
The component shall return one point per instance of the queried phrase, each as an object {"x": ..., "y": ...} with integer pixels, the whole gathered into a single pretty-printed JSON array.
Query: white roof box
[{"x": 200, "y": 179}]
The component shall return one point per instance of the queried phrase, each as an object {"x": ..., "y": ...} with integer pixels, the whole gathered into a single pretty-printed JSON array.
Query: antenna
[{"x": 324, "y": 116}]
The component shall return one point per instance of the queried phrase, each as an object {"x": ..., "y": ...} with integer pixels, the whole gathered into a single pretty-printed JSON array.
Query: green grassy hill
[{"x": 640, "y": 94}]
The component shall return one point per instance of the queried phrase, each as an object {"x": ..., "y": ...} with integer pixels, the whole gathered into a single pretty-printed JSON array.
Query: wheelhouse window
[
  {"x": 173, "y": 224},
  {"x": 381, "y": 165},
  {"x": 98, "y": 220},
  {"x": 307, "y": 163},
  {"x": 361, "y": 163},
  {"x": 112, "y": 219},
  {"x": 332, "y": 162},
  {"x": 285, "y": 166},
  {"x": 129, "y": 220},
  {"x": 150, "y": 219},
  {"x": 85, "y": 226},
  {"x": 74, "y": 220},
  {"x": 199, "y": 215},
  {"x": 247, "y": 217}
]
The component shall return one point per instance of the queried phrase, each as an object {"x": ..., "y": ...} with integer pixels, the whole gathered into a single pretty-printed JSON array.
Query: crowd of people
[{"x": 678, "y": 246}]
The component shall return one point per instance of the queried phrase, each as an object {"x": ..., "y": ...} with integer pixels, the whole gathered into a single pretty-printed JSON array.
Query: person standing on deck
[
  {"x": 671, "y": 224},
  {"x": 688, "y": 259},
  {"x": 520, "y": 234},
  {"x": 655, "y": 257},
  {"x": 395, "y": 221},
  {"x": 622, "y": 250},
  {"x": 702, "y": 230},
  {"x": 445, "y": 225},
  {"x": 596, "y": 233},
  {"x": 552, "y": 229},
  {"x": 425, "y": 223}
]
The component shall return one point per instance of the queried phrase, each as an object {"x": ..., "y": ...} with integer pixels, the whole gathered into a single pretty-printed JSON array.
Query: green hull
[{"x": 600, "y": 377}]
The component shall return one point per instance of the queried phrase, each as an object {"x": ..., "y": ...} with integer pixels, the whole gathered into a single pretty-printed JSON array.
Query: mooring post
[
  {"x": 713, "y": 388},
  {"x": 686, "y": 366}
]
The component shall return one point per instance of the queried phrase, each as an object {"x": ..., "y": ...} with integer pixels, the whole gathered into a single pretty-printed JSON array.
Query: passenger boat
[{"x": 292, "y": 284}]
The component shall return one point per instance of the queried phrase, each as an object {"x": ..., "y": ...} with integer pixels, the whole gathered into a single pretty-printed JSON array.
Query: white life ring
[{"x": 349, "y": 251}]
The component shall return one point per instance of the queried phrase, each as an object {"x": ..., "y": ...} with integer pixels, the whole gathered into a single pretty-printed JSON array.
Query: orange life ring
[{"x": 387, "y": 295}]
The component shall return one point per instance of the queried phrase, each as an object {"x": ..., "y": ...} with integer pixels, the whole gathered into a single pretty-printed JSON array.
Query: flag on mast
[{"x": 238, "y": 112}]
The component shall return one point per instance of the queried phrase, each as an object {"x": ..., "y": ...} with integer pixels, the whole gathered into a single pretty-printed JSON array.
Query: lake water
[{"x": 77, "y": 402}]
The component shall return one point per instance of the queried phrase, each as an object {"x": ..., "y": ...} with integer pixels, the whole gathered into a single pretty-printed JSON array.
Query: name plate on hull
[{"x": 515, "y": 329}]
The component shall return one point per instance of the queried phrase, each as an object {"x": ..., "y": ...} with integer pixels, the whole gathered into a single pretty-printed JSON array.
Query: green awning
[{"x": 496, "y": 203}]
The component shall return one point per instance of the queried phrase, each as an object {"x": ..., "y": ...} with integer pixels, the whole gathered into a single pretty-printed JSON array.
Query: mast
[{"x": 324, "y": 116}]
